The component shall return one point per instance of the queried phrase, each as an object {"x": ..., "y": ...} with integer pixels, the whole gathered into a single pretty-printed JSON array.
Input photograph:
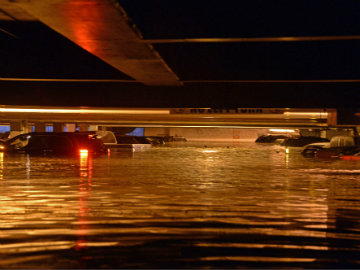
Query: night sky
[{"x": 32, "y": 50}]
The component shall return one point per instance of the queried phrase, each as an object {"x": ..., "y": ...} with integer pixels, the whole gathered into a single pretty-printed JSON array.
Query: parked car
[
  {"x": 54, "y": 143},
  {"x": 272, "y": 138},
  {"x": 337, "y": 147},
  {"x": 155, "y": 140},
  {"x": 311, "y": 149},
  {"x": 303, "y": 140},
  {"x": 116, "y": 142},
  {"x": 134, "y": 143}
]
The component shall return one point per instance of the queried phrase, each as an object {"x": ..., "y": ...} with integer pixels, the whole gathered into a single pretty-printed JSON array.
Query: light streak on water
[{"x": 180, "y": 206}]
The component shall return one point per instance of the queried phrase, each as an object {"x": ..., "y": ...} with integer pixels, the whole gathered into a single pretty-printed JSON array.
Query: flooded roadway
[{"x": 184, "y": 205}]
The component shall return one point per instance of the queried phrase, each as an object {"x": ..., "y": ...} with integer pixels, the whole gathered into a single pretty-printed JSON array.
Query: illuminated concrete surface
[
  {"x": 257, "y": 117},
  {"x": 103, "y": 29}
]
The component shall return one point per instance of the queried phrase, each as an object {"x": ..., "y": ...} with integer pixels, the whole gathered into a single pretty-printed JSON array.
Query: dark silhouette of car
[
  {"x": 310, "y": 150},
  {"x": 337, "y": 147},
  {"x": 55, "y": 143},
  {"x": 271, "y": 138},
  {"x": 303, "y": 140}
]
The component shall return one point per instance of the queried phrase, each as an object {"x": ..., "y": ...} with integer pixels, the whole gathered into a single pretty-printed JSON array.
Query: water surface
[{"x": 184, "y": 205}]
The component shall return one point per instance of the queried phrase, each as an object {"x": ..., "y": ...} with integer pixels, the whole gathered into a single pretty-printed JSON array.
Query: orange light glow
[
  {"x": 84, "y": 152},
  {"x": 85, "y": 187},
  {"x": 84, "y": 111}
]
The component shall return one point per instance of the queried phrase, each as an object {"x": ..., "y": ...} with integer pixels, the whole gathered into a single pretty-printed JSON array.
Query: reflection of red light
[
  {"x": 350, "y": 157},
  {"x": 84, "y": 197},
  {"x": 80, "y": 244},
  {"x": 84, "y": 154}
]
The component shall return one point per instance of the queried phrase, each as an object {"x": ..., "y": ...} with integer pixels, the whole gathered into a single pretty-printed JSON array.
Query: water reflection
[
  {"x": 180, "y": 206},
  {"x": 85, "y": 187},
  {"x": 28, "y": 166}
]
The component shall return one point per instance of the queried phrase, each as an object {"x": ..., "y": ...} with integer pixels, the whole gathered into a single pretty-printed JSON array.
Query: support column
[
  {"x": 332, "y": 117},
  {"x": 323, "y": 134},
  {"x": 70, "y": 127},
  {"x": 357, "y": 130},
  {"x": 58, "y": 127},
  {"x": 83, "y": 127},
  {"x": 40, "y": 127},
  {"x": 93, "y": 128},
  {"x": 18, "y": 127}
]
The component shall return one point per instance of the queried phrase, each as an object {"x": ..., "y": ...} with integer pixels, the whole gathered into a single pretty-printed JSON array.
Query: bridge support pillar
[
  {"x": 70, "y": 127},
  {"x": 58, "y": 127},
  {"x": 93, "y": 128},
  {"x": 83, "y": 127},
  {"x": 357, "y": 128},
  {"x": 18, "y": 127},
  {"x": 40, "y": 127}
]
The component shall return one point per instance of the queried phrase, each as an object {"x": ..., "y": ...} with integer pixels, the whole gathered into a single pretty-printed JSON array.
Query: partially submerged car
[
  {"x": 300, "y": 141},
  {"x": 311, "y": 149},
  {"x": 116, "y": 142},
  {"x": 272, "y": 138},
  {"x": 337, "y": 147},
  {"x": 55, "y": 143},
  {"x": 135, "y": 143}
]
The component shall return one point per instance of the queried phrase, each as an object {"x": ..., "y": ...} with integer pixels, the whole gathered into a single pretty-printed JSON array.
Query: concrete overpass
[
  {"x": 167, "y": 117},
  {"x": 172, "y": 54},
  {"x": 101, "y": 28}
]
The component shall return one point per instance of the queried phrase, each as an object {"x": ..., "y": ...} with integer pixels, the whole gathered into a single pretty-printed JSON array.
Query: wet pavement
[{"x": 183, "y": 205}]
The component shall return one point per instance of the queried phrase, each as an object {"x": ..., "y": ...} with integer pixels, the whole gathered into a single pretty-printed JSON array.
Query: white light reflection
[
  {"x": 28, "y": 167},
  {"x": 308, "y": 114},
  {"x": 282, "y": 130},
  {"x": 209, "y": 151},
  {"x": 287, "y": 151}
]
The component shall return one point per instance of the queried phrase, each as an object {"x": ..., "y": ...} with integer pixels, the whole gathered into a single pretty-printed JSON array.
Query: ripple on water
[{"x": 180, "y": 206}]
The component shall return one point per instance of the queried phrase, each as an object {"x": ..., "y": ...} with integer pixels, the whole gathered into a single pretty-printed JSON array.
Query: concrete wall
[
  {"x": 328, "y": 133},
  {"x": 209, "y": 134}
]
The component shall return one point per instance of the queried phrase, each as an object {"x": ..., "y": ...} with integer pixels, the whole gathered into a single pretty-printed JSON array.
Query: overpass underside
[{"x": 95, "y": 53}]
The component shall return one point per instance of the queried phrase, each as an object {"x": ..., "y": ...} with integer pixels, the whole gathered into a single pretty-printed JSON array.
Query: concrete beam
[
  {"x": 11, "y": 12},
  {"x": 156, "y": 117},
  {"x": 58, "y": 127},
  {"x": 102, "y": 28}
]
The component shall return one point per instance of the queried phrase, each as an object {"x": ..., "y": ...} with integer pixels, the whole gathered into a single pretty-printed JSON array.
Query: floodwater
[{"x": 184, "y": 205}]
